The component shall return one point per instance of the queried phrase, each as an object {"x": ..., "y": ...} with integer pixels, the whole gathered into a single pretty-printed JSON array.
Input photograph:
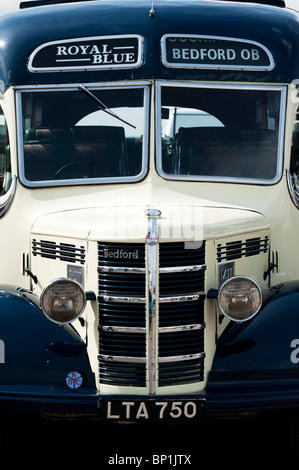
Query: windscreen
[
  {"x": 83, "y": 136},
  {"x": 224, "y": 133}
]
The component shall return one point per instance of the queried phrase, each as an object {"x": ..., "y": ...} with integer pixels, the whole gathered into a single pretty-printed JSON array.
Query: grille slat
[
  {"x": 180, "y": 254},
  {"x": 174, "y": 373},
  {"x": 171, "y": 314},
  {"x": 176, "y": 344},
  {"x": 119, "y": 373},
  {"x": 113, "y": 314},
  {"x": 187, "y": 282},
  {"x": 122, "y": 344}
]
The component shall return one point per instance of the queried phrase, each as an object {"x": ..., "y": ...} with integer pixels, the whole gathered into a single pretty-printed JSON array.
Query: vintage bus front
[{"x": 149, "y": 208}]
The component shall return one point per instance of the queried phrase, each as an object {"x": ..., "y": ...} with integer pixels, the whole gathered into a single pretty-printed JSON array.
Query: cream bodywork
[
  {"x": 84, "y": 215},
  {"x": 85, "y": 227}
]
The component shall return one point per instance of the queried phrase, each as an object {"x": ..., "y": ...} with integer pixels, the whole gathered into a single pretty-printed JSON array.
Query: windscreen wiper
[{"x": 102, "y": 106}]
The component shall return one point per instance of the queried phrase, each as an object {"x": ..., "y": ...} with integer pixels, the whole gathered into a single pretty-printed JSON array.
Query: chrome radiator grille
[{"x": 123, "y": 319}]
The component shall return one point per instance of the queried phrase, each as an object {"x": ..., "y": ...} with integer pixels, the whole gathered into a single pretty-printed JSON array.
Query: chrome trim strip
[
  {"x": 145, "y": 85},
  {"x": 183, "y": 269},
  {"x": 122, "y": 300},
  {"x": 174, "y": 329},
  {"x": 152, "y": 241},
  {"x": 77, "y": 68},
  {"x": 105, "y": 357},
  {"x": 122, "y": 329},
  {"x": 181, "y": 298},
  {"x": 120, "y": 269},
  {"x": 169, "y": 270},
  {"x": 9, "y": 195},
  {"x": 217, "y": 66},
  {"x": 68, "y": 86},
  {"x": 187, "y": 357},
  {"x": 292, "y": 187}
]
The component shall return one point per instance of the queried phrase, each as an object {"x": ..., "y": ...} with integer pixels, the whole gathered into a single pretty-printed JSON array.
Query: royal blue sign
[{"x": 105, "y": 52}]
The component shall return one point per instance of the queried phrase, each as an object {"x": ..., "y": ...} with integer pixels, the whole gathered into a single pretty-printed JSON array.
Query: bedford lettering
[
  {"x": 214, "y": 54},
  {"x": 211, "y": 54},
  {"x": 121, "y": 254}
]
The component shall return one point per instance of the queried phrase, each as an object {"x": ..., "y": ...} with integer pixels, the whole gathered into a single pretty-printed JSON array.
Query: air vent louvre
[
  {"x": 63, "y": 251},
  {"x": 238, "y": 249}
]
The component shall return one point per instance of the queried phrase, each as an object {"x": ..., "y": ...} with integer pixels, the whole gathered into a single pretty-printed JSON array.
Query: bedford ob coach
[{"x": 149, "y": 209}]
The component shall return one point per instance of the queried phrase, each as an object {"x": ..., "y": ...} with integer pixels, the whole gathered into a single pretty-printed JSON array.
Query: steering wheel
[{"x": 89, "y": 165}]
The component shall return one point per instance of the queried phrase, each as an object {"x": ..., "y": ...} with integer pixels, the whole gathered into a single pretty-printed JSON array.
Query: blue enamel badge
[{"x": 74, "y": 380}]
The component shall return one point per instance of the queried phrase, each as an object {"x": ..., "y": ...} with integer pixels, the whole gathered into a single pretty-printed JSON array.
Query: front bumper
[{"x": 216, "y": 400}]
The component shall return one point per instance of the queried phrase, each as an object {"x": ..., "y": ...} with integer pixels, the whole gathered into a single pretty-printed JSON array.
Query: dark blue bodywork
[
  {"x": 37, "y": 357},
  {"x": 22, "y": 32},
  {"x": 252, "y": 369}
]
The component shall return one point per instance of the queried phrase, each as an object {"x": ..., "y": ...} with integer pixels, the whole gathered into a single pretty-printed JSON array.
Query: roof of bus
[{"x": 25, "y": 31}]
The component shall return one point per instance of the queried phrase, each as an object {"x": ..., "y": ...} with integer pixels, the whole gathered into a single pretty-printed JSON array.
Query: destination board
[
  {"x": 105, "y": 52},
  {"x": 192, "y": 51}
]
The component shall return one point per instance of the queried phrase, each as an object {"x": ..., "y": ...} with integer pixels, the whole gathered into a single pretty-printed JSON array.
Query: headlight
[
  {"x": 239, "y": 298},
  {"x": 63, "y": 300}
]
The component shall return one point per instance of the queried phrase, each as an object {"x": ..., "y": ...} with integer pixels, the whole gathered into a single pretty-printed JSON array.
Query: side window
[{"x": 5, "y": 167}]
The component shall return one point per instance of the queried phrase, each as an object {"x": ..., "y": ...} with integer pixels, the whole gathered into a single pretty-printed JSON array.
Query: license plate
[{"x": 152, "y": 410}]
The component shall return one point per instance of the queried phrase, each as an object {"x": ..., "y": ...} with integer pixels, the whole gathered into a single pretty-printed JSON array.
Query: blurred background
[{"x": 11, "y": 5}]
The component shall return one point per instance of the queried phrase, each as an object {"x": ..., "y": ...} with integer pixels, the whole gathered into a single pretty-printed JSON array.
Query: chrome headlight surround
[
  {"x": 239, "y": 298},
  {"x": 63, "y": 300}
]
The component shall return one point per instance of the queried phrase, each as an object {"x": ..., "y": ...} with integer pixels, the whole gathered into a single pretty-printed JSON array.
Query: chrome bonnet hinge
[{"x": 152, "y": 244}]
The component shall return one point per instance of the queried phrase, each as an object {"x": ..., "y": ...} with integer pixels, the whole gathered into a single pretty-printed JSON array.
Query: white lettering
[
  {"x": 212, "y": 54},
  {"x": 190, "y": 409},
  {"x": 255, "y": 54},
  {"x": 194, "y": 54},
  {"x": 61, "y": 50},
  {"x": 176, "y": 53},
  {"x": 118, "y": 58},
  {"x": 95, "y": 50},
  {"x": 129, "y": 57},
  {"x": 203, "y": 53},
  {"x": 230, "y": 54},
  {"x": 245, "y": 54},
  {"x": 176, "y": 410},
  {"x": 163, "y": 406},
  {"x": 119, "y": 460},
  {"x": 73, "y": 50},
  {"x": 106, "y": 59},
  {"x": 84, "y": 49},
  {"x": 105, "y": 49},
  {"x": 128, "y": 405},
  {"x": 142, "y": 412},
  {"x": 109, "y": 414},
  {"x": 97, "y": 59},
  {"x": 185, "y": 53},
  {"x": 221, "y": 54}
]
